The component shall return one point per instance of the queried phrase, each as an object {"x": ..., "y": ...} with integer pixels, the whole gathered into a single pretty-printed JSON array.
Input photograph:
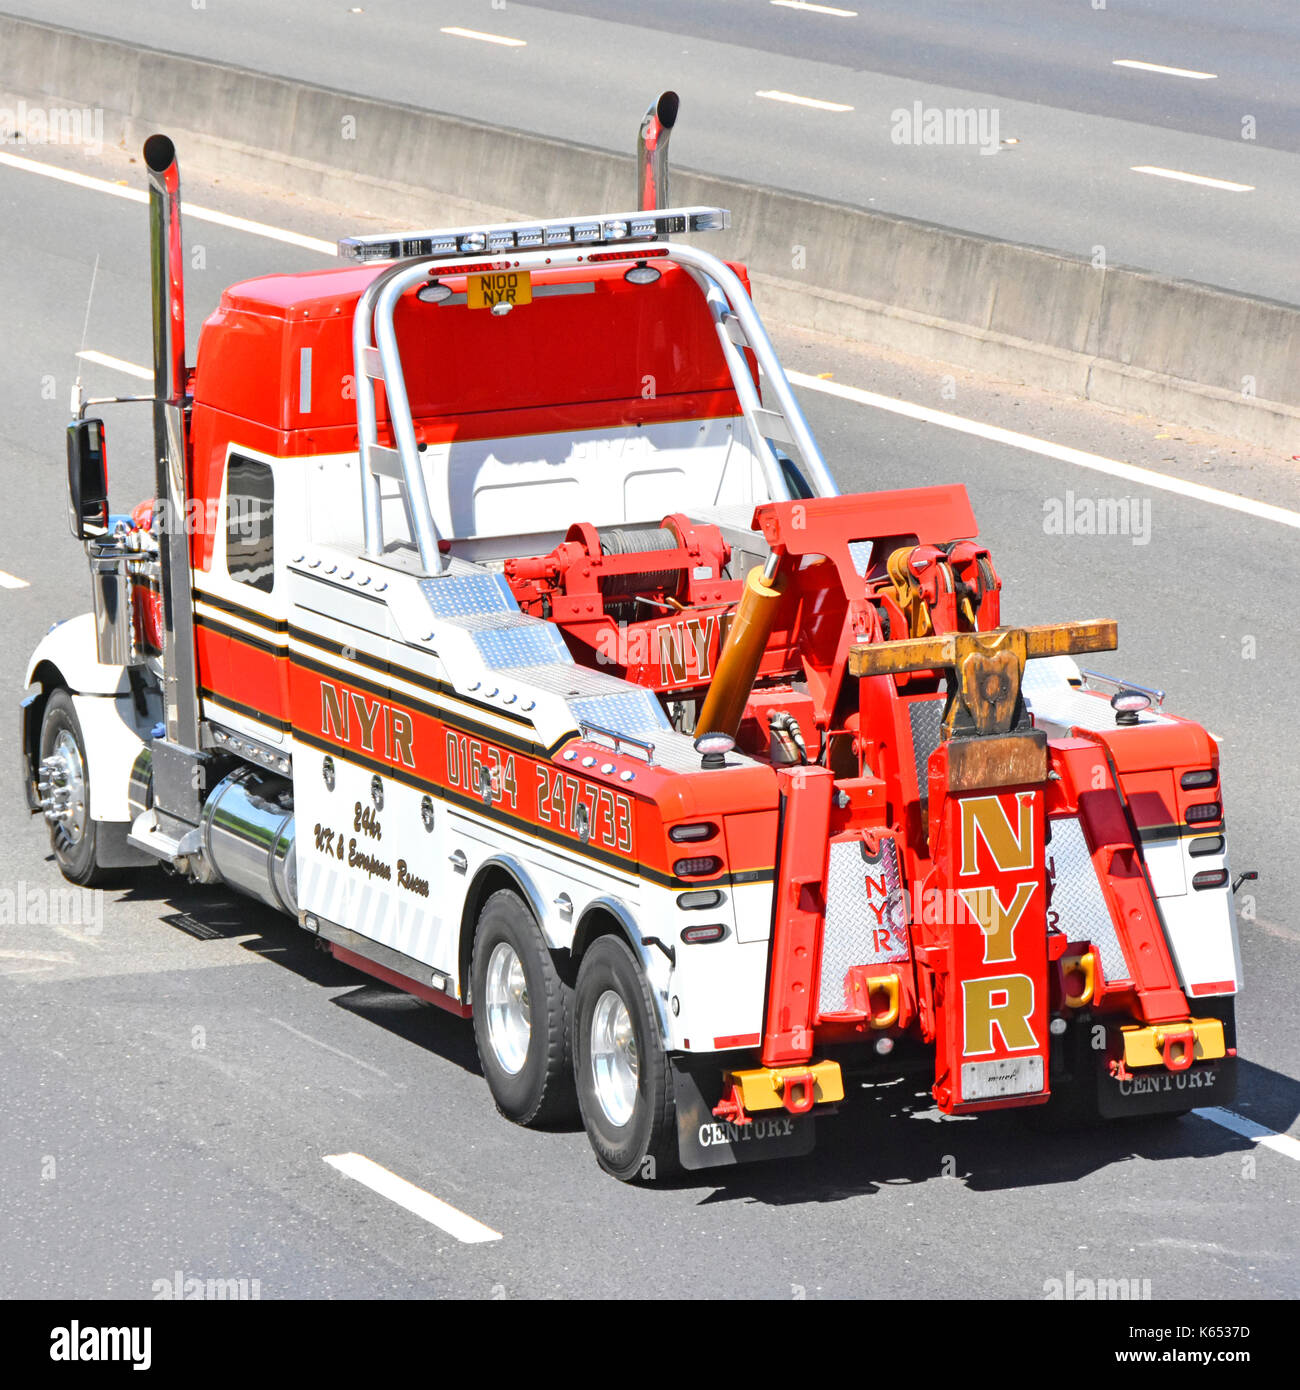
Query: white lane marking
[
  {"x": 415, "y": 1199},
  {"x": 804, "y": 101},
  {"x": 1250, "y": 1129},
  {"x": 338, "y": 1052},
  {"x": 139, "y": 195},
  {"x": 1098, "y": 463},
  {"x": 485, "y": 38},
  {"x": 244, "y": 224},
  {"x": 118, "y": 364},
  {"x": 1160, "y": 67},
  {"x": 815, "y": 9},
  {"x": 1225, "y": 184},
  {"x": 11, "y": 581}
]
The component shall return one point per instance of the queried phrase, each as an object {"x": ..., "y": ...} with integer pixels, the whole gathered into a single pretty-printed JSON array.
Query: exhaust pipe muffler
[
  {"x": 180, "y": 675},
  {"x": 179, "y": 766},
  {"x": 652, "y": 152}
]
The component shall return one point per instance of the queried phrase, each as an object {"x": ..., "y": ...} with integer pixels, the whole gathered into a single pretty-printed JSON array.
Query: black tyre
[
  {"x": 63, "y": 782},
  {"x": 522, "y": 1013},
  {"x": 625, "y": 1087}
]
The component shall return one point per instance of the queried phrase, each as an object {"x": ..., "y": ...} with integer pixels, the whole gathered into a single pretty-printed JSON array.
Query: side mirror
[{"x": 87, "y": 478}]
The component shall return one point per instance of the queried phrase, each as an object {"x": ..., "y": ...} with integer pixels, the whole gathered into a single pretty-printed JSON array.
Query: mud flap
[
  {"x": 706, "y": 1142},
  {"x": 1157, "y": 1091},
  {"x": 30, "y": 710}
]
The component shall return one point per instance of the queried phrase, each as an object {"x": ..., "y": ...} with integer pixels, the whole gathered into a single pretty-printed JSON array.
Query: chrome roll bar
[{"x": 376, "y": 357}]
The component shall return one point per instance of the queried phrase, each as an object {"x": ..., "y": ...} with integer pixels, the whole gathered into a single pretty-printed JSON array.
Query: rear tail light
[
  {"x": 1204, "y": 811},
  {"x": 701, "y": 830},
  {"x": 474, "y": 269},
  {"x": 625, "y": 255},
  {"x": 700, "y": 898},
  {"x": 697, "y": 868},
  {"x": 695, "y": 936},
  {"x": 1210, "y": 878},
  {"x": 1206, "y": 844},
  {"x": 1202, "y": 777}
]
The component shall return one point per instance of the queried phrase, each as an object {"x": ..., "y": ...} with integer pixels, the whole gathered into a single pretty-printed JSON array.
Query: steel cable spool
[{"x": 617, "y": 541}]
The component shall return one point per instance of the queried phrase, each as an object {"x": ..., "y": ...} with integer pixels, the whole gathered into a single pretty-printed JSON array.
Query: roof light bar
[{"x": 532, "y": 236}]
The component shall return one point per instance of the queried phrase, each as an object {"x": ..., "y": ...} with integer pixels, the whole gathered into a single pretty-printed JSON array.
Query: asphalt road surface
[
  {"x": 177, "y": 1066},
  {"x": 1211, "y": 114}
]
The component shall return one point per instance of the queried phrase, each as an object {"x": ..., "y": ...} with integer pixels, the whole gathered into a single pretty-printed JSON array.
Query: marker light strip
[{"x": 602, "y": 230}]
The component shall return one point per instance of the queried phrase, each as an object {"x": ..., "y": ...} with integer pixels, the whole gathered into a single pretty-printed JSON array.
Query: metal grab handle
[
  {"x": 585, "y": 727},
  {"x": 1157, "y": 696}
]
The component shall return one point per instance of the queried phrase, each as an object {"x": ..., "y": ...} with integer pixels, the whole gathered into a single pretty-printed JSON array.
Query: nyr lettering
[
  {"x": 1000, "y": 857},
  {"x": 679, "y": 642},
  {"x": 985, "y": 818},
  {"x": 379, "y": 726}
]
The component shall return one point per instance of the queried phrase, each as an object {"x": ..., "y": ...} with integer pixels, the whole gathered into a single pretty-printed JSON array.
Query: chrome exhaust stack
[
  {"x": 178, "y": 790},
  {"x": 652, "y": 152}
]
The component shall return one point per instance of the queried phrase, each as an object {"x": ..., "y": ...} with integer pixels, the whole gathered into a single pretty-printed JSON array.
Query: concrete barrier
[{"x": 1173, "y": 349}]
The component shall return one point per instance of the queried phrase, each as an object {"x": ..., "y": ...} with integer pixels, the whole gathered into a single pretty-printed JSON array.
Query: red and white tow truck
[{"x": 498, "y": 619}]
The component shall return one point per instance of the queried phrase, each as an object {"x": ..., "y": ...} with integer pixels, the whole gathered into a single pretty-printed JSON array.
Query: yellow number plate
[{"x": 500, "y": 287}]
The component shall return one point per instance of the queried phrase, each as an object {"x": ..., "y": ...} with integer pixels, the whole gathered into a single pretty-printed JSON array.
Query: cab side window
[{"x": 250, "y": 514}]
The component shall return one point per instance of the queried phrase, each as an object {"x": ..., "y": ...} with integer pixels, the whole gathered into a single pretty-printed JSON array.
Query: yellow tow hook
[
  {"x": 866, "y": 987},
  {"x": 1085, "y": 966},
  {"x": 888, "y": 986}
]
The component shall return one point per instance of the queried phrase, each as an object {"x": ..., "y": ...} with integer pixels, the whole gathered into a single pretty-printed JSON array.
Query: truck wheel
[
  {"x": 63, "y": 783},
  {"x": 522, "y": 1012},
  {"x": 625, "y": 1088}
]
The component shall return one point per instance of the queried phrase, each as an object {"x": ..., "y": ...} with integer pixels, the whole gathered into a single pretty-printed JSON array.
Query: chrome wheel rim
[
  {"x": 615, "y": 1064},
  {"x": 62, "y": 786},
  {"x": 509, "y": 1017}
]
